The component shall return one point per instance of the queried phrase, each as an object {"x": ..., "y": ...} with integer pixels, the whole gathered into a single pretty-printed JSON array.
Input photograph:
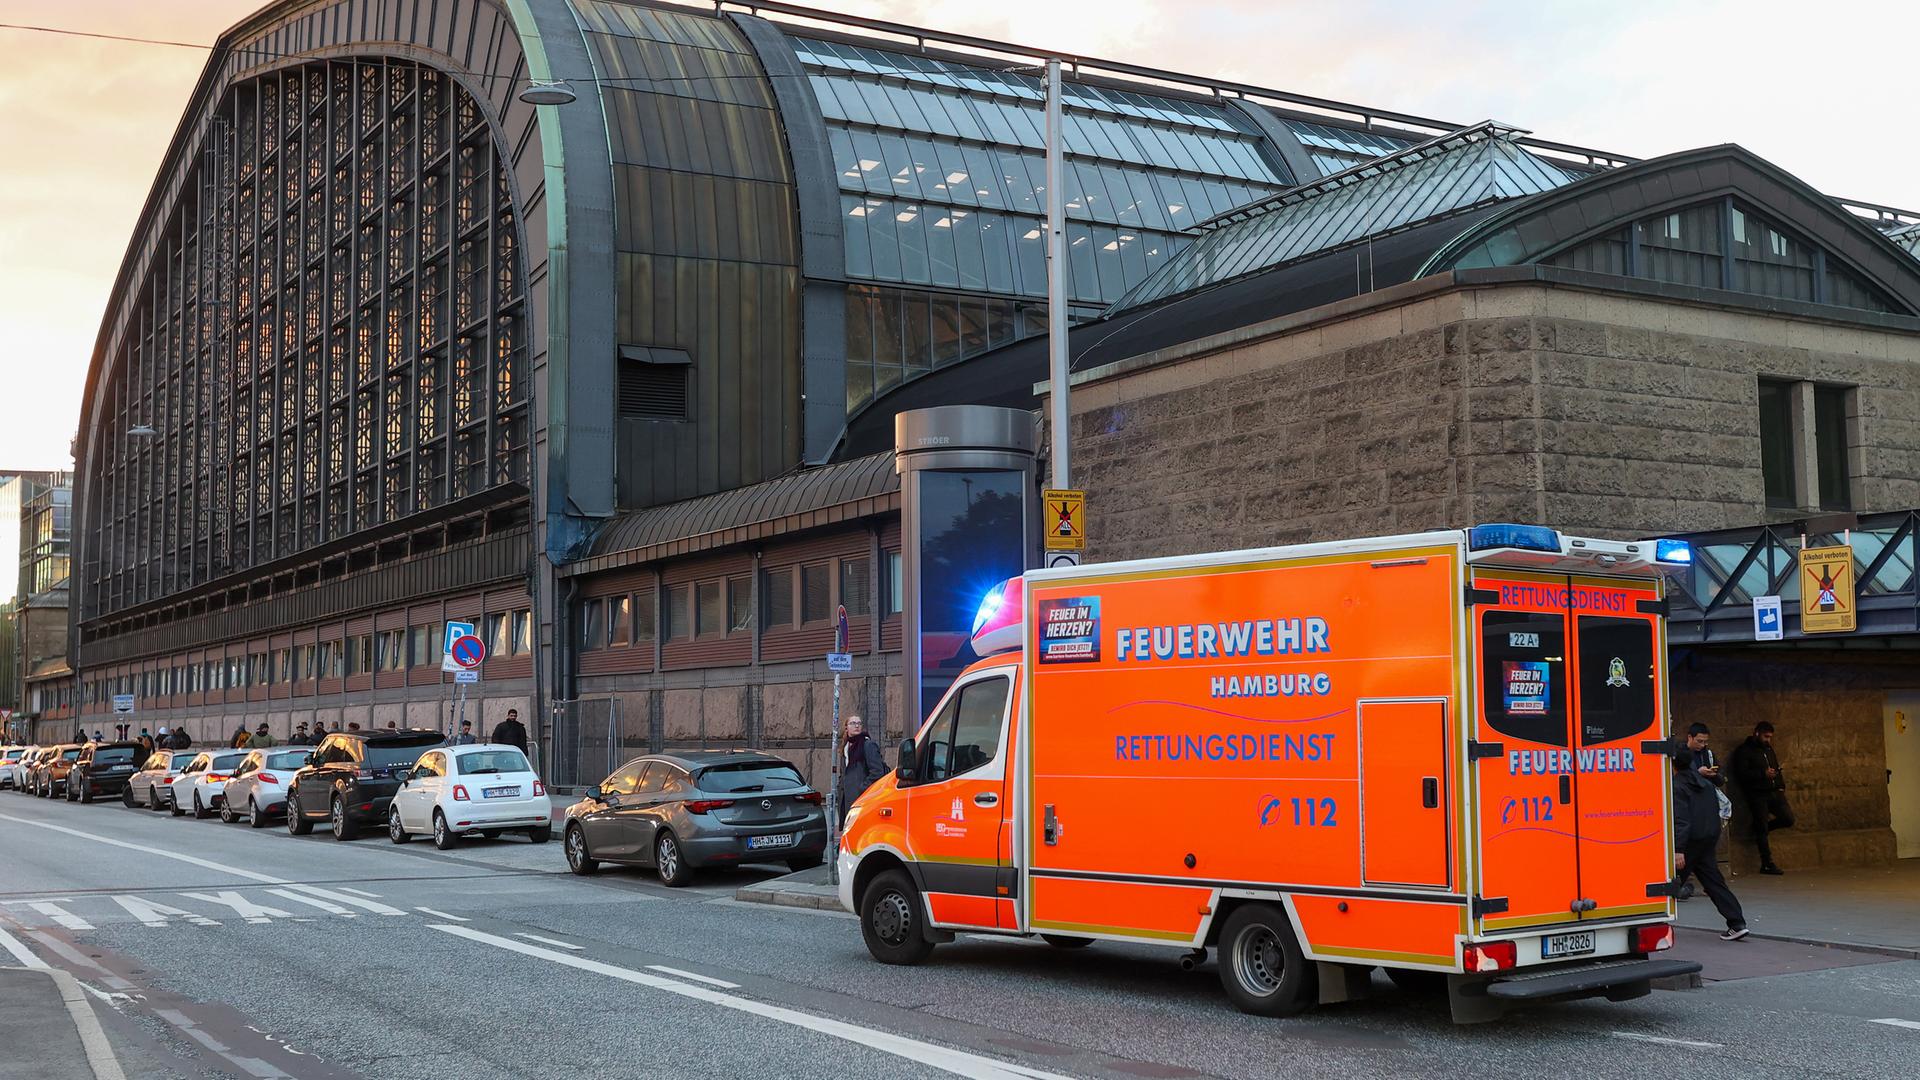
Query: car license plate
[
  {"x": 502, "y": 793},
  {"x": 1558, "y": 945},
  {"x": 785, "y": 839}
]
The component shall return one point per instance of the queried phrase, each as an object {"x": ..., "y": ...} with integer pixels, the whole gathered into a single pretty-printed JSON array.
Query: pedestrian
[
  {"x": 1763, "y": 787},
  {"x": 319, "y": 731},
  {"x": 146, "y": 745},
  {"x": 353, "y": 725},
  {"x": 861, "y": 763},
  {"x": 262, "y": 738},
  {"x": 393, "y": 725},
  {"x": 1696, "y": 813},
  {"x": 300, "y": 737},
  {"x": 466, "y": 736},
  {"x": 179, "y": 740},
  {"x": 239, "y": 740},
  {"x": 510, "y": 732},
  {"x": 79, "y": 735},
  {"x": 97, "y": 737}
]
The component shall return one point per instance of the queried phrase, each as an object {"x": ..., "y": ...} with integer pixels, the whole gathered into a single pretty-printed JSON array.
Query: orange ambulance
[{"x": 1441, "y": 754}]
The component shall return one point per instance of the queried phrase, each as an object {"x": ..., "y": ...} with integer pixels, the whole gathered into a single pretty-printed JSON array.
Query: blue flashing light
[
  {"x": 1524, "y": 537},
  {"x": 1673, "y": 551},
  {"x": 989, "y": 606}
]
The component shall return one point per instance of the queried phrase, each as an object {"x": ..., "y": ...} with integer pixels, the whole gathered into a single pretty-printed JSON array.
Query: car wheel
[
  {"x": 343, "y": 827},
  {"x": 153, "y": 799},
  {"x": 578, "y": 860},
  {"x": 670, "y": 862},
  {"x": 227, "y": 816},
  {"x": 297, "y": 823},
  {"x": 444, "y": 837},
  {"x": 173, "y": 803},
  {"x": 126, "y": 795},
  {"x": 1064, "y": 941},
  {"x": 540, "y": 835},
  {"x": 1262, "y": 968},
  {"x": 86, "y": 791},
  {"x": 200, "y": 813},
  {"x": 72, "y": 794},
  {"x": 397, "y": 832},
  {"x": 890, "y": 920},
  {"x": 255, "y": 819}
]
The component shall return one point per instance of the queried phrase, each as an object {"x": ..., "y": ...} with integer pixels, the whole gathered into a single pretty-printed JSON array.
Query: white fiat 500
[
  {"x": 202, "y": 785},
  {"x": 257, "y": 790},
  {"x": 483, "y": 788}
]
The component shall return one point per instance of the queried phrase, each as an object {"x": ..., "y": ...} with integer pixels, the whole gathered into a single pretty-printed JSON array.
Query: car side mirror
[
  {"x": 313, "y": 759},
  {"x": 598, "y": 793},
  {"x": 905, "y": 772}
]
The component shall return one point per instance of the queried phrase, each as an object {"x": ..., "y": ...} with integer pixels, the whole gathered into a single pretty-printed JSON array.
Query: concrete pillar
[{"x": 1806, "y": 449}]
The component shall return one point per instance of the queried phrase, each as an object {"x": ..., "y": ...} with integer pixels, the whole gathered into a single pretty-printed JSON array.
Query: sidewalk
[
  {"x": 1874, "y": 910},
  {"x": 810, "y": 888},
  {"x": 49, "y": 1030}
]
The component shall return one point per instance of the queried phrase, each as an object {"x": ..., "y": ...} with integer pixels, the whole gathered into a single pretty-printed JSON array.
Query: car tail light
[
  {"x": 702, "y": 806},
  {"x": 216, "y": 776},
  {"x": 539, "y": 788},
  {"x": 1652, "y": 939},
  {"x": 268, "y": 778},
  {"x": 1490, "y": 956},
  {"x": 813, "y": 797},
  {"x": 365, "y": 774},
  {"x": 460, "y": 793}
]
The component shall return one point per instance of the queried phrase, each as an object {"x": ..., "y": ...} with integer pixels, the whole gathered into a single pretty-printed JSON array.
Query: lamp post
[{"x": 1057, "y": 373}]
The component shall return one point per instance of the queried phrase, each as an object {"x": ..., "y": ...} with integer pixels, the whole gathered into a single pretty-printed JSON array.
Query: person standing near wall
[
  {"x": 861, "y": 763},
  {"x": 1756, "y": 772}
]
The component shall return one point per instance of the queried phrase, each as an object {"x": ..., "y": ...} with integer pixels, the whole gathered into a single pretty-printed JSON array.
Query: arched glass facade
[{"x": 329, "y": 337}]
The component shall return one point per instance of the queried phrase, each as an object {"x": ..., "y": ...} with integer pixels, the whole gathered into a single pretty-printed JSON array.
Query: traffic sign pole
[{"x": 838, "y": 661}]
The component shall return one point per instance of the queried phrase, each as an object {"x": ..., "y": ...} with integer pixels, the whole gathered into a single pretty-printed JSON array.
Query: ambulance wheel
[
  {"x": 1261, "y": 966},
  {"x": 890, "y": 920},
  {"x": 1062, "y": 941}
]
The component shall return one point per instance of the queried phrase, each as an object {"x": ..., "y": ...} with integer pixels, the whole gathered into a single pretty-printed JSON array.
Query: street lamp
[{"x": 548, "y": 92}]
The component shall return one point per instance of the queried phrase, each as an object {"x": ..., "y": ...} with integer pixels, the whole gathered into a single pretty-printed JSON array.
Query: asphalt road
[{"x": 217, "y": 951}]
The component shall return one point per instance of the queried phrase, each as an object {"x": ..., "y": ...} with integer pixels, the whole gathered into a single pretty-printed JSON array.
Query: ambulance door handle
[
  {"x": 1566, "y": 789},
  {"x": 985, "y": 798},
  {"x": 1050, "y": 829},
  {"x": 1430, "y": 792}
]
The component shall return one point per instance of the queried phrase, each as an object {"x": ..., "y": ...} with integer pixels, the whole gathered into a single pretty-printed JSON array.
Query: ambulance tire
[
  {"x": 1062, "y": 941},
  {"x": 890, "y": 920},
  {"x": 1262, "y": 968}
]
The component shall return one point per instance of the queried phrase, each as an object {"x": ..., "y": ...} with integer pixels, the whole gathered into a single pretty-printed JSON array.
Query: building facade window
[
  {"x": 619, "y": 620},
  {"x": 676, "y": 616},
  {"x": 779, "y": 598},
  {"x": 856, "y": 588},
  {"x": 1777, "y": 453},
  {"x": 709, "y": 610},
  {"x": 816, "y": 598},
  {"x": 1830, "y": 443},
  {"x": 593, "y": 624},
  {"x": 1806, "y": 441},
  {"x": 740, "y": 604}
]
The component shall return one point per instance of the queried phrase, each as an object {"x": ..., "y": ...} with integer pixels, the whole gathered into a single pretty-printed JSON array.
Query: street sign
[
  {"x": 839, "y": 661},
  {"x": 123, "y": 703},
  {"x": 1057, "y": 559},
  {"x": 1066, "y": 519},
  {"x": 455, "y": 631},
  {"x": 1826, "y": 590},
  {"x": 467, "y": 651},
  {"x": 840, "y": 630},
  {"x": 466, "y": 676},
  {"x": 1766, "y": 618}
]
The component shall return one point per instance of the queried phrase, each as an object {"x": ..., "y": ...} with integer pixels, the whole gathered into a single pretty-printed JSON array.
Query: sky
[{"x": 1822, "y": 91}]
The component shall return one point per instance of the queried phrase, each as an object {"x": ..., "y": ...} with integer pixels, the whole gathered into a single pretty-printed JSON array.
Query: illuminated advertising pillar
[{"x": 968, "y": 521}]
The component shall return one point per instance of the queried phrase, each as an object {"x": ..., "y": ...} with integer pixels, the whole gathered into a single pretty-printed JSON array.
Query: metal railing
[{"x": 583, "y": 741}]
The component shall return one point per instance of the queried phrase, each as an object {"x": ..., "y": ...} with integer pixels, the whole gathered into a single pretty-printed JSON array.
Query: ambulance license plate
[
  {"x": 784, "y": 839},
  {"x": 1557, "y": 945}
]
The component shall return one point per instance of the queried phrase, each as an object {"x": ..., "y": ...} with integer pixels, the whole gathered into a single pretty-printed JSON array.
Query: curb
[
  {"x": 799, "y": 898},
  {"x": 1894, "y": 952}
]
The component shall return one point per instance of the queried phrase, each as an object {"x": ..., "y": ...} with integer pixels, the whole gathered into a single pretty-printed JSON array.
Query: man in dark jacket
[
  {"x": 1696, "y": 833},
  {"x": 1756, "y": 772},
  {"x": 861, "y": 763},
  {"x": 179, "y": 740},
  {"x": 511, "y": 732}
]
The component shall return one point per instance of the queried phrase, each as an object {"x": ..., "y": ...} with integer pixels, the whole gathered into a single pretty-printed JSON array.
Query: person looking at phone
[{"x": 1696, "y": 783}]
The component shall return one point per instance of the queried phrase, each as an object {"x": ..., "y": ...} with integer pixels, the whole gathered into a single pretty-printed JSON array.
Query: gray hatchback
[{"x": 679, "y": 812}]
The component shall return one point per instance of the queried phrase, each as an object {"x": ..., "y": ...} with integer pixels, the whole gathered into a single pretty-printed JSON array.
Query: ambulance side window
[
  {"x": 966, "y": 733},
  {"x": 1616, "y": 678},
  {"x": 1523, "y": 658}
]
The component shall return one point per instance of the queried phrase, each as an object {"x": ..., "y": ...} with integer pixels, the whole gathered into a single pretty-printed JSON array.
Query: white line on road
[
  {"x": 958, "y": 1062},
  {"x": 442, "y": 915},
  {"x": 721, "y": 983},
  {"x": 1892, "y": 1021},
  {"x": 548, "y": 941},
  {"x": 359, "y": 892},
  {"x": 243, "y": 907},
  {"x": 374, "y": 906},
  {"x": 208, "y": 864},
  {"x": 92, "y": 1039},
  {"x": 1634, "y": 1036},
  {"x": 20, "y": 951},
  {"x": 310, "y": 901},
  {"x": 152, "y": 913},
  {"x": 60, "y": 915}
]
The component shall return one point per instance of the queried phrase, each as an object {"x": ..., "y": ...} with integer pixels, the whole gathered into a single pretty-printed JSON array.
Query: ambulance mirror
[{"x": 905, "y": 771}]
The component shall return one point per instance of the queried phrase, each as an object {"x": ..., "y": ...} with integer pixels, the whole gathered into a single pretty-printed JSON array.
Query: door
[
  {"x": 412, "y": 802},
  {"x": 600, "y": 825},
  {"x": 956, "y": 814},
  {"x": 1404, "y": 788},
  {"x": 1903, "y": 771},
  {"x": 241, "y": 783},
  {"x": 1623, "y": 778},
  {"x": 662, "y": 786}
]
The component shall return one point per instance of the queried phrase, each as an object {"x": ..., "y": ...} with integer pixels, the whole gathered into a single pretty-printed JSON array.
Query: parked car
[
  {"x": 25, "y": 776},
  {"x": 257, "y": 790},
  {"x": 50, "y": 773},
  {"x": 202, "y": 785},
  {"x": 351, "y": 777},
  {"x": 102, "y": 768},
  {"x": 10, "y": 759},
  {"x": 679, "y": 812},
  {"x": 148, "y": 786},
  {"x": 483, "y": 788}
]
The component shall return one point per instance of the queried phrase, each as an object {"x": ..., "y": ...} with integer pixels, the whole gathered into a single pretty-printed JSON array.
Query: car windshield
[
  {"x": 290, "y": 759},
  {"x": 747, "y": 776},
  {"x": 116, "y": 755},
  {"x": 387, "y": 755},
  {"x": 492, "y": 761},
  {"x": 69, "y": 755},
  {"x": 225, "y": 762}
]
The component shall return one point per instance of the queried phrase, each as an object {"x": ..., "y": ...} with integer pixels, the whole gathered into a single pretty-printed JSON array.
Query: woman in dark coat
[{"x": 861, "y": 764}]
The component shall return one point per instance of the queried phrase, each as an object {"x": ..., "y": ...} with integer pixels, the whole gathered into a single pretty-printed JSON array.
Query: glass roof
[
  {"x": 1908, "y": 237},
  {"x": 1334, "y": 149},
  {"x": 1454, "y": 172}
]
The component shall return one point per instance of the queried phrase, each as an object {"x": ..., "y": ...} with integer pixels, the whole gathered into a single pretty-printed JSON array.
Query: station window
[
  {"x": 816, "y": 601},
  {"x": 779, "y": 598},
  {"x": 856, "y": 589},
  {"x": 677, "y": 618},
  {"x": 1776, "y": 442},
  {"x": 895, "y": 583},
  {"x": 644, "y": 612},
  {"x": 420, "y": 645},
  {"x": 1830, "y": 446},
  {"x": 1787, "y": 461},
  {"x": 619, "y": 619},
  {"x": 593, "y": 625},
  {"x": 521, "y": 625},
  {"x": 739, "y": 604},
  {"x": 709, "y": 611}
]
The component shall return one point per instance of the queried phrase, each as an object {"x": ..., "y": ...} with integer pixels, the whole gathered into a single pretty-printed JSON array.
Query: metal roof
[
  {"x": 799, "y": 500},
  {"x": 1907, "y": 237}
]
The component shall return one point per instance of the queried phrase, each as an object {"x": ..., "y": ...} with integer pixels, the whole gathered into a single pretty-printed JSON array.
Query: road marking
[
  {"x": 77, "y": 959},
  {"x": 958, "y": 1062},
  {"x": 92, "y": 1039},
  {"x": 20, "y": 951},
  {"x": 1633, "y": 1036},
  {"x": 1896, "y": 1022},
  {"x": 60, "y": 915},
  {"x": 208, "y": 864},
  {"x": 331, "y": 909},
  {"x": 548, "y": 941},
  {"x": 243, "y": 907},
  {"x": 360, "y": 892},
  {"x": 152, "y": 913},
  {"x": 721, "y": 983},
  {"x": 374, "y": 906},
  {"x": 442, "y": 915}
]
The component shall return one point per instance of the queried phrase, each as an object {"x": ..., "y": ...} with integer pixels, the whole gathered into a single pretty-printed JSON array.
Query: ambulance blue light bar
[
  {"x": 1673, "y": 551},
  {"x": 1522, "y": 537}
]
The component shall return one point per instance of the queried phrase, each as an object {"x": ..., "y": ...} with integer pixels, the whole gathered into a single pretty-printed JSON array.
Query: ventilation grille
[{"x": 650, "y": 389}]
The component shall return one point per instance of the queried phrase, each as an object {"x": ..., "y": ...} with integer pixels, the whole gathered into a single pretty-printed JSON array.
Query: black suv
[
  {"x": 350, "y": 778},
  {"x": 103, "y": 768}
]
